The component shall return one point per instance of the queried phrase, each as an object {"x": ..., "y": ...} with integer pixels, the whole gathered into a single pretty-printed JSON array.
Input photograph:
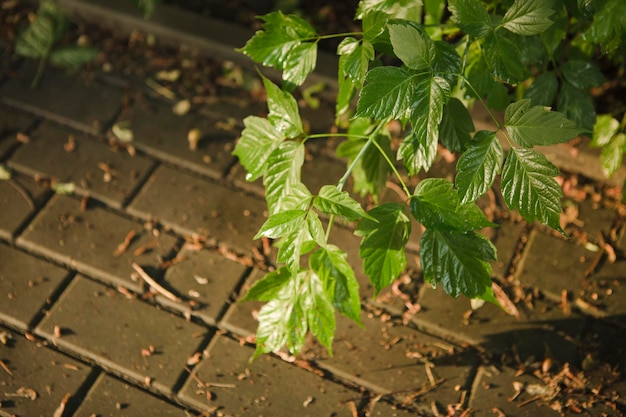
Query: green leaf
[
  {"x": 607, "y": 28},
  {"x": 504, "y": 58},
  {"x": 478, "y": 166},
  {"x": 257, "y": 142},
  {"x": 283, "y": 110},
  {"x": 612, "y": 153},
  {"x": 282, "y": 223},
  {"x": 295, "y": 243},
  {"x": 436, "y": 205},
  {"x": 72, "y": 57},
  {"x": 582, "y": 74},
  {"x": 300, "y": 305},
  {"x": 300, "y": 63},
  {"x": 529, "y": 126},
  {"x": 447, "y": 62},
  {"x": 459, "y": 261},
  {"x": 332, "y": 201},
  {"x": 332, "y": 266},
  {"x": 528, "y": 186},
  {"x": 384, "y": 239},
  {"x": 529, "y": 17},
  {"x": 280, "y": 45},
  {"x": 419, "y": 149},
  {"x": 543, "y": 90},
  {"x": 374, "y": 24},
  {"x": 471, "y": 16},
  {"x": 267, "y": 287},
  {"x": 146, "y": 7},
  {"x": 388, "y": 92},
  {"x": 37, "y": 39},
  {"x": 456, "y": 126},
  {"x": 412, "y": 45},
  {"x": 556, "y": 33},
  {"x": 605, "y": 128},
  {"x": 284, "y": 166},
  {"x": 577, "y": 106},
  {"x": 5, "y": 173},
  {"x": 397, "y": 9},
  {"x": 354, "y": 59}
]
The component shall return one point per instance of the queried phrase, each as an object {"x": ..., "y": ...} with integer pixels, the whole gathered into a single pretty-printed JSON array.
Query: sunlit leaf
[
  {"x": 529, "y": 17},
  {"x": 478, "y": 166},
  {"x": 388, "y": 92},
  {"x": 258, "y": 140},
  {"x": 471, "y": 16},
  {"x": 604, "y": 129},
  {"x": 283, "y": 110},
  {"x": 283, "y": 172},
  {"x": 332, "y": 201}
]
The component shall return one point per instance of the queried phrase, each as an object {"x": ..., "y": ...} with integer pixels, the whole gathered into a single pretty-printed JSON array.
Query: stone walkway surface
[{"x": 82, "y": 334}]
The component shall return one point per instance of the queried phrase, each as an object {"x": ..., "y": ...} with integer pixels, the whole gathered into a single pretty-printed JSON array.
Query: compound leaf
[
  {"x": 537, "y": 125},
  {"x": 528, "y": 185},
  {"x": 478, "y": 166},
  {"x": 385, "y": 235},
  {"x": 459, "y": 261},
  {"x": 529, "y": 17},
  {"x": 332, "y": 266},
  {"x": 257, "y": 142}
]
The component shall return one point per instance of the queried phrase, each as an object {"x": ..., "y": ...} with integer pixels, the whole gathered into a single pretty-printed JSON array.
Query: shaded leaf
[
  {"x": 332, "y": 266},
  {"x": 384, "y": 239},
  {"x": 446, "y": 63},
  {"x": 72, "y": 57},
  {"x": 478, "y": 166},
  {"x": 458, "y": 261},
  {"x": 471, "y": 16},
  {"x": 354, "y": 59},
  {"x": 504, "y": 58},
  {"x": 456, "y": 126},
  {"x": 528, "y": 185},
  {"x": 577, "y": 106},
  {"x": 543, "y": 90},
  {"x": 398, "y": 9},
  {"x": 582, "y": 74},
  {"x": 537, "y": 125}
]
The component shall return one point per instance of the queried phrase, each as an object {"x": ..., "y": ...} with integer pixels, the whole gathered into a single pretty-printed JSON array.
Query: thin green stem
[
  {"x": 346, "y": 175},
  {"x": 393, "y": 168},
  {"x": 40, "y": 70},
  {"x": 334, "y": 135},
  {"x": 493, "y": 117}
]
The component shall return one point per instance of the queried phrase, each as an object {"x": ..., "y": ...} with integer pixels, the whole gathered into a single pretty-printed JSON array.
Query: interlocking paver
[
  {"x": 13, "y": 121},
  {"x": 605, "y": 291},
  {"x": 87, "y": 105},
  {"x": 207, "y": 279},
  {"x": 26, "y": 285},
  {"x": 158, "y": 131},
  {"x": 593, "y": 219},
  {"x": 88, "y": 240},
  {"x": 544, "y": 328},
  {"x": 18, "y": 199},
  {"x": 560, "y": 268},
  {"x": 111, "y": 397},
  {"x": 122, "y": 334},
  {"x": 189, "y": 204},
  {"x": 493, "y": 388},
  {"x": 49, "y": 374},
  {"x": 381, "y": 409},
  {"x": 389, "y": 358},
  {"x": 240, "y": 316},
  {"x": 265, "y": 387},
  {"x": 95, "y": 168}
]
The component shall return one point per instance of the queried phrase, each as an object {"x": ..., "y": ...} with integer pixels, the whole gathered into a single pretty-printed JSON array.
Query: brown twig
[
  {"x": 22, "y": 192},
  {"x": 122, "y": 247},
  {"x": 5, "y": 367},
  {"x": 155, "y": 285}
]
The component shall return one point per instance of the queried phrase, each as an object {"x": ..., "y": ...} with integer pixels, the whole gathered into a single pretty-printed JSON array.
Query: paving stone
[
  {"x": 594, "y": 220},
  {"x": 189, "y": 204},
  {"x": 50, "y": 374},
  {"x": 387, "y": 358},
  {"x": 542, "y": 330},
  {"x": 382, "y": 409},
  {"x": 69, "y": 100},
  {"x": 125, "y": 327},
  {"x": 110, "y": 397},
  {"x": 46, "y": 155},
  {"x": 26, "y": 284},
  {"x": 13, "y": 121},
  {"x": 264, "y": 387},
  {"x": 240, "y": 316},
  {"x": 494, "y": 388},
  {"x": 86, "y": 241},
  {"x": 553, "y": 264},
  {"x": 605, "y": 290},
  {"x": 16, "y": 207},
  {"x": 161, "y": 133},
  {"x": 206, "y": 278}
]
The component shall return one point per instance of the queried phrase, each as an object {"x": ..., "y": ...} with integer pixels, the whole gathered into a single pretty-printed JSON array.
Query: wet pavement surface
[{"x": 82, "y": 334}]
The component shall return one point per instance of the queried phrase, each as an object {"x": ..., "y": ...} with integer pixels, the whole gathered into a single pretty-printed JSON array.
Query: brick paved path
[{"x": 81, "y": 331}]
